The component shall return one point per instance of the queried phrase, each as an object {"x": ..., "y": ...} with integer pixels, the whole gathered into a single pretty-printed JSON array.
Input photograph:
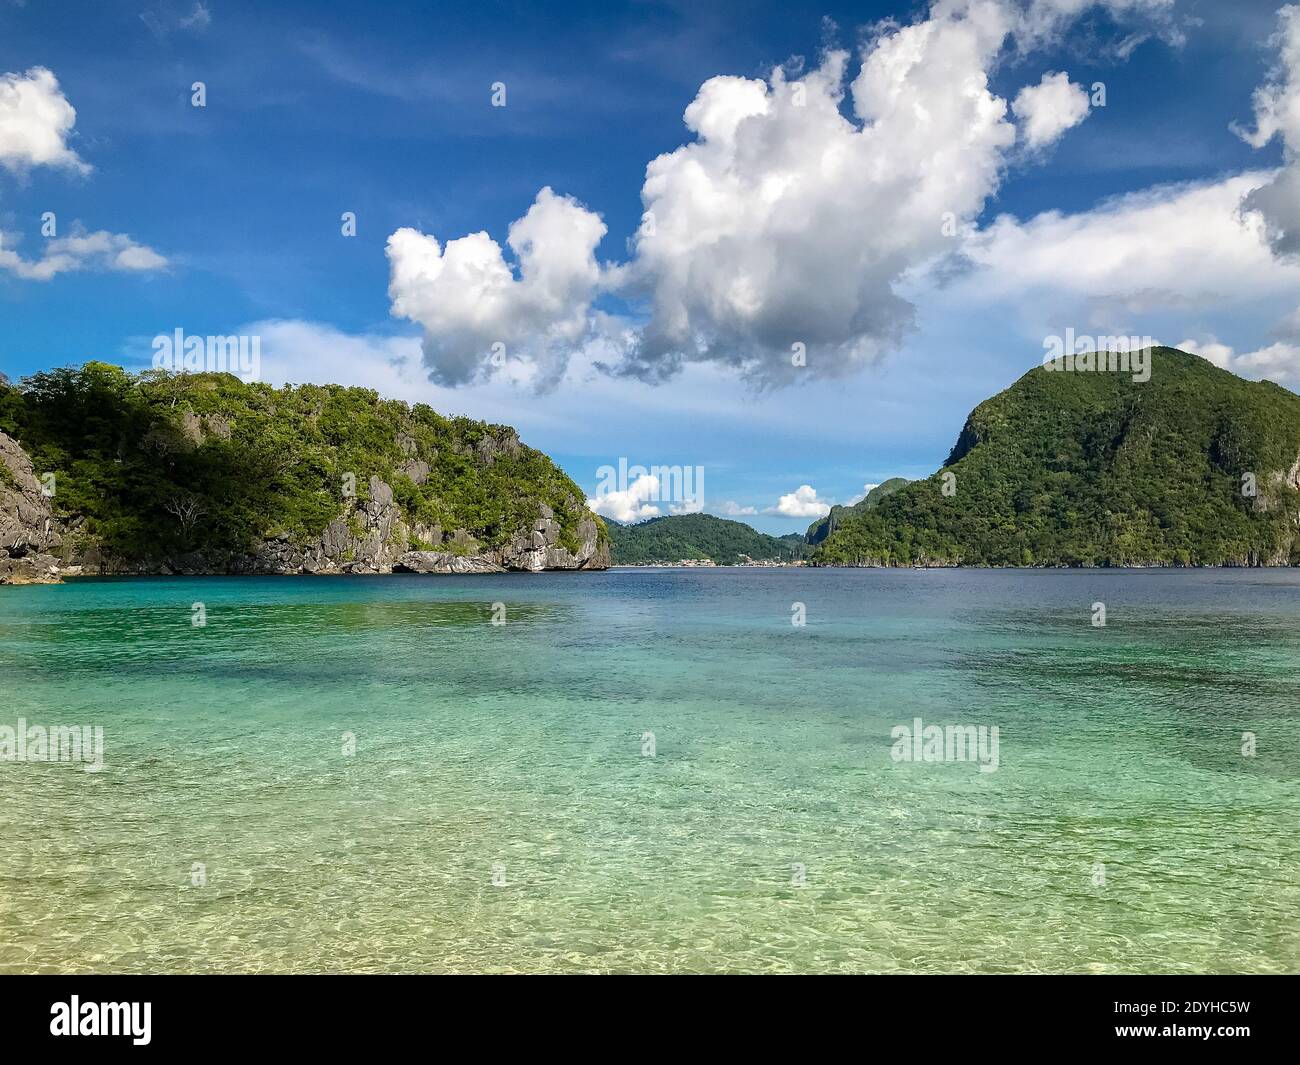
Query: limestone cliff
[
  {"x": 204, "y": 474},
  {"x": 27, "y": 528}
]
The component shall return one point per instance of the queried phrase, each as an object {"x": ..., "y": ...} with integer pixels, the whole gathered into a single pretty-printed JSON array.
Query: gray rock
[
  {"x": 28, "y": 530},
  {"x": 444, "y": 562},
  {"x": 416, "y": 469}
]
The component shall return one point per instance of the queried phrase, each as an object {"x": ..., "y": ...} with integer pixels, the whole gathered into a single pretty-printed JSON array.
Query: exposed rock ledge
[{"x": 28, "y": 532}]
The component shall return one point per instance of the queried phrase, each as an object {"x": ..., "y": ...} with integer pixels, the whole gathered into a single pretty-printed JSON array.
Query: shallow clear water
[{"x": 1123, "y": 831}]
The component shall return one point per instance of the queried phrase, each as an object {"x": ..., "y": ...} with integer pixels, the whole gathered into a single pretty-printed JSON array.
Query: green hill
[
  {"x": 1096, "y": 469},
  {"x": 696, "y": 536},
  {"x": 202, "y": 473},
  {"x": 823, "y": 527}
]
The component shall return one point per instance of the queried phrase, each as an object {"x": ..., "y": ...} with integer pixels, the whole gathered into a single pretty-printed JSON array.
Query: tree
[{"x": 187, "y": 509}]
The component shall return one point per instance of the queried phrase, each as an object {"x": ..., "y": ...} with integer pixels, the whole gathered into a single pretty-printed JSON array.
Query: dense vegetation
[
  {"x": 1096, "y": 469},
  {"x": 154, "y": 464},
  {"x": 697, "y": 536},
  {"x": 823, "y": 527}
]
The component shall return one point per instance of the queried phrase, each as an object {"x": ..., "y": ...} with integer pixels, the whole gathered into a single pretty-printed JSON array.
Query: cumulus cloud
[
  {"x": 1137, "y": 264},
  {"x": 786, "y": 223},
  {"x": 731, "y": 509},
  {"x": 774, "y": 241},
  {"x": 81, "y": 251},
  {"x": 1277, "y": 114},
  {"x": 35, "y": 122},
  {"x": 801, "y": 503},
  {"x": 1167, "y": 246},
  {"x": 1048, "y": 109},
  {"x": 1279, "y": 362},
  {"x": 859, "y": 498},
  {"x": 629, "y": 504},
  {"x": 477, "y": 314}
]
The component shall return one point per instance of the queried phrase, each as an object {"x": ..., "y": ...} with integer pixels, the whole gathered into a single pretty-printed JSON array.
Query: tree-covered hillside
[
  {"x": 1097, "y": 469},
  {"x": 696, "y": 536},
  {"x": 152, "y": 466},
  {"x": 823, "y": 527}
]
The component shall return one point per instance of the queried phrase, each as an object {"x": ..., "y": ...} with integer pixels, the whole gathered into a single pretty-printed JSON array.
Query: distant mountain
[
  {"x": 823, "y": 527},
  {"x": 1193, "y": 467},
  {"x": 697, "y": 536}
]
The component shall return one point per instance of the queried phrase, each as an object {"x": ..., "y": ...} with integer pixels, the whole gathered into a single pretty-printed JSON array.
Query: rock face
[
  {"x": 540, "y": 549},
  {"x": 27, "y": 528},
  {"x": 373, "y": 538},
  {"x": 368, "y": 537},
  {"x": 444, "y": 562}
]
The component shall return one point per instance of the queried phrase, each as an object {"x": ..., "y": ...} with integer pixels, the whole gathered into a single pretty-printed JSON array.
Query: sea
[{"x": 654, "y": 770}]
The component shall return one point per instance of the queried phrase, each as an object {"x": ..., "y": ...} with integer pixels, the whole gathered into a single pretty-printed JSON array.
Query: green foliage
[
  {"x": 257, "y": 461},
  {"x": 1096, "y": 469},
  {"x": 696, "y": 536},
  {"x": 823, "y": 527}
]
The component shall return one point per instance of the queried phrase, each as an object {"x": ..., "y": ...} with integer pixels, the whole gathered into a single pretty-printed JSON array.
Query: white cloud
[
  {"x": 1279, "y": 362},
  {"x": 35, "y": 121},
  {"x": 137, "y": 256},
  {"x": 788, "y": 219},
  {"x": 785, "y": 222},
  {"x": 859, "y": 498},
  {"x": 468, "y": 299},
  {"x": 1168, "y": 258},
  {"x": 1210, "y": 350},
  {"x": 687, "y": 506},
  {"x": 1037, "y": 21},
  {"x": 1166, "y": 246},
  {"x": 1277, "y": 114},
  {"x": 630, "y": 504},
  {"x": 731, "y": 509},
  {"x": 801, "y": 503},
  {"x": 81, "y": 251},
  {"x": 1048, "y": 109},
  {"x": 198, "y": 19}
]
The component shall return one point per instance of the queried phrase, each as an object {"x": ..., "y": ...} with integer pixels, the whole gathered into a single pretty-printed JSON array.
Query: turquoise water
[{"x": 1123, "y": 831}]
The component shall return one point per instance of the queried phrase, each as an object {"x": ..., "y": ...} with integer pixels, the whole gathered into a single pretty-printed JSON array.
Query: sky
[{"x": 788, "y": 245}]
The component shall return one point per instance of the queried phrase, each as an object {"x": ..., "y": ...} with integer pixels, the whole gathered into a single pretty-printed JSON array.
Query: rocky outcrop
[
  {"x": 445, "y": 562},
  {"x": 370, "y": 536},
  {"x": 28, "y": 532},
  {"x": 540, "y": 548},
  {"x": 200, "y": 474}
]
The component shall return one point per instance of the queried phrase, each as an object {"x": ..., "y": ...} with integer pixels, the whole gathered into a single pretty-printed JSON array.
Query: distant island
[
  {"x": 1193, "y": 467},
  {"x": 105, "y": 472},
  {"x": 692, "y": 539}
]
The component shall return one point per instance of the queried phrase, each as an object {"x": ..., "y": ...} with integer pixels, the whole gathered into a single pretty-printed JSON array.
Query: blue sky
[{"x": 226, "y": 219}]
